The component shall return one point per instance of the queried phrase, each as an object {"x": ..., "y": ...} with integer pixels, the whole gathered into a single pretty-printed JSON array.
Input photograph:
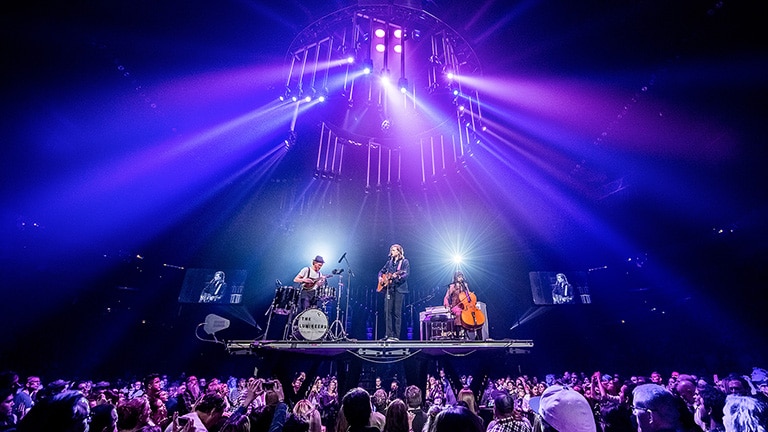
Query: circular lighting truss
[{"x": 409, "y": 55}]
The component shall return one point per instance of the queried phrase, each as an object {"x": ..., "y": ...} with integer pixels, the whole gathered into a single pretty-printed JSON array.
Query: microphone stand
[
  {"x": 338, "y": 329},
  {"x": 349, "y": 291}
]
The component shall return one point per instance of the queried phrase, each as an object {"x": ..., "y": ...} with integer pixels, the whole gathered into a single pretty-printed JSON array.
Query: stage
[{"x": 374, "y": 350}]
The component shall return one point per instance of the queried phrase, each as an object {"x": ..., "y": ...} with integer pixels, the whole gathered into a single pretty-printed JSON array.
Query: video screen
[
  {"x": 559, "y": 288},
  {"x": 213, "y": 286}
]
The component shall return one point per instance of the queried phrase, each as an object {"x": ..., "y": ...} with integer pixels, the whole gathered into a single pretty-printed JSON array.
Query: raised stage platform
[{"x": 373, "y": 350}]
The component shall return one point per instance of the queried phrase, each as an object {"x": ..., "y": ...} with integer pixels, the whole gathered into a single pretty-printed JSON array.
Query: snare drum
[
  {"x": 326, "y": 293},
  {"x": 286, "y": 299},
  {"x": 312, "y": 324}
]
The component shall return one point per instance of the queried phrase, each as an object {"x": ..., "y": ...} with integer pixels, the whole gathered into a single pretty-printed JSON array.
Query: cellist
[{"x": 452, "y": 301}]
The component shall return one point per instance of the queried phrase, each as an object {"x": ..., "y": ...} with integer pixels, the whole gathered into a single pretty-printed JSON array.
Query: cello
[{"x": 472, "y": 318}]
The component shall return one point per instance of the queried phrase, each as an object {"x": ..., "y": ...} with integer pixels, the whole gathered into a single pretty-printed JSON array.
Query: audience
[
  {"x": 68, "y": 411},
  {"x": 570, "y": 402}
]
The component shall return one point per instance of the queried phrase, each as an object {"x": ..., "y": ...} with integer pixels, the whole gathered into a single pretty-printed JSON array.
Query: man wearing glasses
[{"x": 656, "y": 409}]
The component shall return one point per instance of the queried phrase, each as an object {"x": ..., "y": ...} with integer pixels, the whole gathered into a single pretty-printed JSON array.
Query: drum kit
[{"x": 310, "y": 324}]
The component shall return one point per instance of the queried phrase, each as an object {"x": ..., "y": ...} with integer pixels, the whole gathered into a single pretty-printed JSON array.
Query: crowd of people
[{"x": 569, "y": 402}]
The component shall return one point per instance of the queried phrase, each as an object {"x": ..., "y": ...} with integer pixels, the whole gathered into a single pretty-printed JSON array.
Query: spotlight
[
  {"x": 350, "y": 59},
  {"x": 367, "y": 66},
  {"x": 380, "y": 48},
  {"x": 286, "y": 94},
  {"x": 457, "y": 259},
  {"x": 449, "y": 75},
  {"x": 402, "y": 83},
  {"x": 308, "y": 99},
  {"x": 416, "y": 34},
  {"x": 398, "y": 48},
  {"x": 398, "y": 33},
  {"x": 455, "y": 92},
  {"x": 379, "y": 33},
  {"x": 321, "y": 94}
]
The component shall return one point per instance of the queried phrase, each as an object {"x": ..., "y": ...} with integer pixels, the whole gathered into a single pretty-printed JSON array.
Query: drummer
[{"x": 309, "y": 279}]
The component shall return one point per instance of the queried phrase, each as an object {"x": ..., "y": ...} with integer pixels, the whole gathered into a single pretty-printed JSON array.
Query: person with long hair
[
  {"x": 396, "y": 417},
  {"x": 393, "y": 279}
]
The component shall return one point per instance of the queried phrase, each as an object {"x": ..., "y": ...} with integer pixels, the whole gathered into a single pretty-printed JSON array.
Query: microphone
[{"x": 342, "y": 258}]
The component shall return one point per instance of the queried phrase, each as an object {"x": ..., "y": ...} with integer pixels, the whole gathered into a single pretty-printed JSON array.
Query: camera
[{"x": 269, "y": 385}]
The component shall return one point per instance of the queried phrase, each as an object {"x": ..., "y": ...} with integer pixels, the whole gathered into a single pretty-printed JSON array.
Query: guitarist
[
  {"x": 393, "y": 278},
  {"x": 309, "y": 278}
]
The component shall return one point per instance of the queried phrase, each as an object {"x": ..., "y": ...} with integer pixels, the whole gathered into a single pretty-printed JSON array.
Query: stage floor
[{"x": 373, "y": 349}]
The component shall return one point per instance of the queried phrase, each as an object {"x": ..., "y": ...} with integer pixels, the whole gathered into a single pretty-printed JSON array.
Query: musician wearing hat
[{"x": 310, "y": 279}]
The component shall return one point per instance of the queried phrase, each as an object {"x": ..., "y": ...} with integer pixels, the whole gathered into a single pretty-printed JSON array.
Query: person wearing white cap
[{"x": 563, "y": 409}]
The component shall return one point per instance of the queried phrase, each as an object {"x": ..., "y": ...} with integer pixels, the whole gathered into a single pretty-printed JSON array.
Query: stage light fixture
[
  {"x": 402, "y": 83},
  {"x": 367, "y": 66},
  {"x": 371, "y": 37}
]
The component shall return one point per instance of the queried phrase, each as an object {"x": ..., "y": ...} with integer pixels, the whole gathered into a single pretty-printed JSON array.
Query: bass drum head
[{"x": 311, "y": 324}]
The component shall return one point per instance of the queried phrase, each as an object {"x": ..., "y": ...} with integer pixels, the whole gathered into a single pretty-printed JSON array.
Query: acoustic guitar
[
  {"x": 387, "y": 279},
  {"x": 309, "y": 286}
]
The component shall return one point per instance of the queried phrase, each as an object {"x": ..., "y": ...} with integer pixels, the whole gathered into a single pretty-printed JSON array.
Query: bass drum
[{"x": 311, "y": 324}]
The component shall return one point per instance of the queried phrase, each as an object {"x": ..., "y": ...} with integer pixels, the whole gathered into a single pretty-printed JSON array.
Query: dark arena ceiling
[{"x": 623, "y": 140}]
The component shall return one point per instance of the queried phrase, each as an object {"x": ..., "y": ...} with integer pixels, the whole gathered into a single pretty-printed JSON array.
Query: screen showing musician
[
  {"x": 559, "y": 288},
  {"x": 310, "y": 279},
  {"x": 213, "y": 286},
  {"x": 462, "y": 302}
]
